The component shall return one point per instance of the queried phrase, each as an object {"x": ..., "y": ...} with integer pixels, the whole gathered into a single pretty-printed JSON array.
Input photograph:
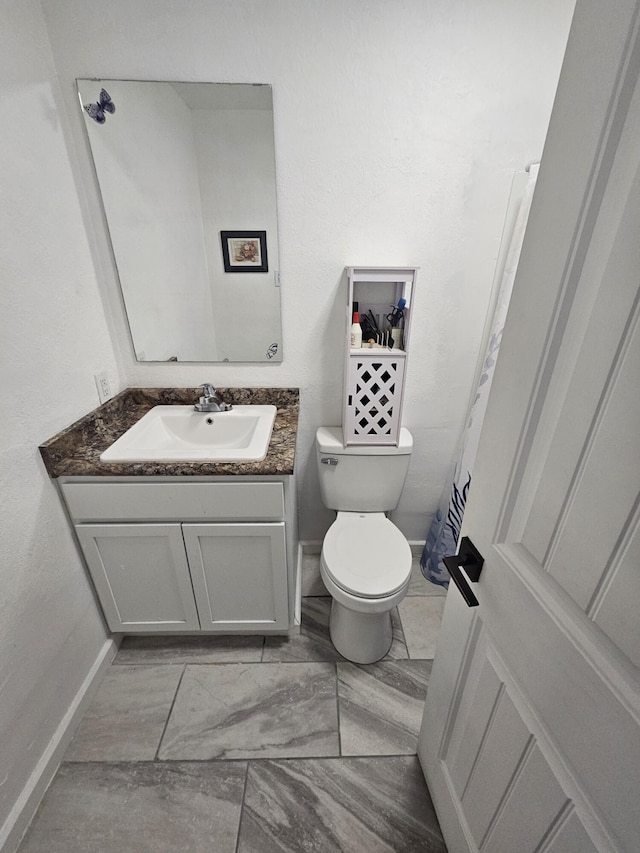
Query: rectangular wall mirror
[{"x": 187, "y": 177}]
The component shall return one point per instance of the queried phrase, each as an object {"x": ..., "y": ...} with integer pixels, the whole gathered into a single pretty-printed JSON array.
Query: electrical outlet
[{"x": 103, "y": 385}]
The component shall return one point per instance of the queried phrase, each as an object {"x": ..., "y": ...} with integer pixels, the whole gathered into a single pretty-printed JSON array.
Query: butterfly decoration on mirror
[{"x": 104, "y": 105}]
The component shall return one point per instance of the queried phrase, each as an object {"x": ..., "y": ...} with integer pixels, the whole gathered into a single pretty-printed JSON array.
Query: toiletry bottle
[
  {"x": 356, "y": 331},
  {"x": 396, "y": 336}
]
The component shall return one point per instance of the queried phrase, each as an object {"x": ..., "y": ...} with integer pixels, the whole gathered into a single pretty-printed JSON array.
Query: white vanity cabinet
[{"x": 186, "y": 554}]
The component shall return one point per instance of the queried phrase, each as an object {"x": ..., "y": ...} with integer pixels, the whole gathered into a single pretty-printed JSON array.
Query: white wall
[
  {"x": 398, "y": 126},
  {"x": 53, "y": 337}
]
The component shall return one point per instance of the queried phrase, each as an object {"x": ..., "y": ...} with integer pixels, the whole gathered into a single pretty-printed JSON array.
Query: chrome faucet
[{"x": 210, "y": 401}]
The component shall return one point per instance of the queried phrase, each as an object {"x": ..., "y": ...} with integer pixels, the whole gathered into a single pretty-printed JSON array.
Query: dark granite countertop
[{"x": 76, "y": 450}]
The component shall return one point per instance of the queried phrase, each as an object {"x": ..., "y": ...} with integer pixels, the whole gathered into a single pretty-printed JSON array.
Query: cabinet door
[
  {"x": 141, "y": 575},
  {"x": 239, "y": 575},
  {"x": 374, "y": 398}
]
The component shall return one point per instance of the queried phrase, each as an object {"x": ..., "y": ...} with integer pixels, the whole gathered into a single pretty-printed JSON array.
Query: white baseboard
[{"x": 27, "y": 803}]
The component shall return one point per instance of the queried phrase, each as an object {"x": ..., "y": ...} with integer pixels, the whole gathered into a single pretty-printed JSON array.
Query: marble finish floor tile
[
  {"x": 398, "y": 650},
  {"x": 419, "y": 585},
  {"x": 126, "y": 719},
  {"x": 313, "y": 643},
  {"x": 421, "y": 617},
  {"x": 381, "y": 706},
  {"x": 185, "y": 649},
  {"x": 312, "y": 583},
  {"x": 352, "y": 805},
  {"x": 147, "y": 808},
  {"x": 253, "y": 710}
]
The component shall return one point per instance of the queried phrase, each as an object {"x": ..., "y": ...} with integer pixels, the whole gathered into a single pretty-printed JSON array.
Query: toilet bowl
[
  {"x": 366, "y": 566},
  {"x": 365, "y": 561}
]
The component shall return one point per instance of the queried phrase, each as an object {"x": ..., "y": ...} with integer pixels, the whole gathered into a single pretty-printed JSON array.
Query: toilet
[{"x": 366, "y": 561}]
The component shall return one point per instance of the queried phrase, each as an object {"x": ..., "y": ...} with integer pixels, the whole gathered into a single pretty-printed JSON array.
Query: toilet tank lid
[{"x": 329, "y": 440}]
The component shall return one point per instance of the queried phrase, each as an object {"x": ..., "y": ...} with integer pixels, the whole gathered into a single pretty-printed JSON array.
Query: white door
[{"x": 531, "y": 734}]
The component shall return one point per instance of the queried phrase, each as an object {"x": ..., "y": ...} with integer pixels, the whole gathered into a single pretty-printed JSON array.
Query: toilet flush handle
[{"x": 329, "y": 460}]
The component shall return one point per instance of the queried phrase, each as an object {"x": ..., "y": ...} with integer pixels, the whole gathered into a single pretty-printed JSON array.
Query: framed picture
[{"x": 244, "y": 251}]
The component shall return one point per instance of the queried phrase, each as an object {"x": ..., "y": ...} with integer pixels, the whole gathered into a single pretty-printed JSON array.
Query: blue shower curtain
[{"x": 442, "y": 536}]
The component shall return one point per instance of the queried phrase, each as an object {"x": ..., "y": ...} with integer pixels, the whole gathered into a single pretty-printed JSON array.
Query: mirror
[{"x": 187, "y": 177}]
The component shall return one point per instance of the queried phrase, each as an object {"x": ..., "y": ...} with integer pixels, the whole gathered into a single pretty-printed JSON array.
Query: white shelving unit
[{"x": 374, "y": 376}]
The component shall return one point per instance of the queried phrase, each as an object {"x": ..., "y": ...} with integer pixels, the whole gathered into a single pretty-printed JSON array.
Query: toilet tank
[{"x": 359, "y": 477}]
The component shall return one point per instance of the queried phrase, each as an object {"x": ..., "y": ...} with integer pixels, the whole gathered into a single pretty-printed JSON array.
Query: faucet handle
[{"x": 209, "y": 390}]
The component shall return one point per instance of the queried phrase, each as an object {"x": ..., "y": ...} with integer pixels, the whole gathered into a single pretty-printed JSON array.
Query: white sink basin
[{"x": 180, "y": 434}]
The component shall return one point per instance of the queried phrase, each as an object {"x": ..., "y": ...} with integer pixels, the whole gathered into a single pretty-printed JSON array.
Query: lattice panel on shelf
[{"x": 375, "y": 396}]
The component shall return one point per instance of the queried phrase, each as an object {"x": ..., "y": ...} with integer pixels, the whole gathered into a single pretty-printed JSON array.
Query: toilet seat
[{"x": 366, "y": 555}]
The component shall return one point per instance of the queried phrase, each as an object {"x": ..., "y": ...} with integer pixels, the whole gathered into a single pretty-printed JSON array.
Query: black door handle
[{"x": 471, "y": 561}]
